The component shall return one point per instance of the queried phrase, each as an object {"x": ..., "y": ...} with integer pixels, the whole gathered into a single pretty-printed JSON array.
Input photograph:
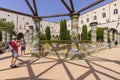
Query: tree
[
  {"x": 47, "y": 33},
  {"x": 8, "y": 25},
  {"x": 68, "y": 35},
  {"x": 64, "y": 34},
  {"x": 84, "y": 33},
  {"x": 42, "y": 36},
  {"x": 89, "y": 35},
  {"x": 100, "y": 34}
]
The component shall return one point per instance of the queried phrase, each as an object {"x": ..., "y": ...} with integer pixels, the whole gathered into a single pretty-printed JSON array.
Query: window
[
  {"x": 87, "y": 19},
  {"x": 3, "y": 19},
  {"x": 27, "y": 23},
  {"x": 95, "y": 17},
  {"x": 103, "y": 8},
  {"x": 115, "y": 11},
  {"x": 81, "y": 21},
  {"x": 114, "y": 4},
  {"x": 104, "y": 15},
  {"x": 20, "y": 26},
  {"x": 24, "y": 26},
  {"x": 41, "y": 26}
]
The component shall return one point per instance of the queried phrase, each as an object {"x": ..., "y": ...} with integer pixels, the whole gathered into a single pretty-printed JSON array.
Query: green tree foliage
[
  {"x": 84, "y": 33},
  {"x": 89, "y": 35},
  {"x": 8, "y": 25},
  {"x": 47, "y": 33},
  {"x": 42, "y": 36},
  {"x": 68, "y": 35},
  {"x": 64, "y": 34},
  {"x": 100, "y": 34}
]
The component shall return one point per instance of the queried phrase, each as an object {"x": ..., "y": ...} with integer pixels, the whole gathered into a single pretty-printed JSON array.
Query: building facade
[
  {"x": 106, "y": 16},
  {"x": 23, "y": 21}
]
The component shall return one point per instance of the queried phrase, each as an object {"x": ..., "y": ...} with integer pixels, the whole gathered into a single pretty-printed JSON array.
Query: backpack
[{"x": 10, "y": 48}]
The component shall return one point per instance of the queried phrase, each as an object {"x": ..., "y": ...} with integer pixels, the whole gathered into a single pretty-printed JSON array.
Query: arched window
[
  {"x": 95, "y": 17},
  {"x": 87, "y": 19},
  {"x": 104, "y": 15},
  {"x": 115, "y": 11},
  {"x": 81, "y": 21}
]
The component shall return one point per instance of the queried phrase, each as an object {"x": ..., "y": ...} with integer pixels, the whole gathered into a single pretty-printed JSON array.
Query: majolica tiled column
[
  {"x": 4, "y": 35},
  {"x": 93, "y": 34},
  {"x": 119, "y": 38},
  {"x": 115, "y": 36},
  {"x": 36, "y": 35},
  {"x": 74, "y": 29},
  {"x": 74, "y": 32},
  {"x": 27, "y": 36},
  {"x": 105, "y": 37},
  {"x": 8, "y": 36},
  {"x": 111, "y": 35},
  {"x": 30, "y": 36}
]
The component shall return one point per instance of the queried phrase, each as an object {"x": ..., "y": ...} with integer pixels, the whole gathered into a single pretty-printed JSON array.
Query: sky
[{"x": 49, "y": 7}]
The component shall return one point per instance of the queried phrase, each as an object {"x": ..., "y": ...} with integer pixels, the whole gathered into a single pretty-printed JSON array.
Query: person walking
[
  {"x": 23, "y": 46},
  {"x": 14, "y": 44},
  {"x": 109, "y": 43},
  {"x": 116, "y": 43}
]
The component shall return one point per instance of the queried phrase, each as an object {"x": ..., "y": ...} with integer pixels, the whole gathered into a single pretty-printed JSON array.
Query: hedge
[{"x": 62, "y": 41}]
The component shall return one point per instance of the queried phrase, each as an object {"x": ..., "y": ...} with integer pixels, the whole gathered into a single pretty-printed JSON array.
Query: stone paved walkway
[{"x": 104, "y": 65}]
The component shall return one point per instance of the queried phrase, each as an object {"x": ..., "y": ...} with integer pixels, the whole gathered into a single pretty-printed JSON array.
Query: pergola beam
[
  {"x": 65, "y": 4},
  {"x": 16, "y": 12},
  {"x": 35, "y": 7},
  {"x": 57, "y": 15},
  {"x": 72, "y": 5},
  {"x": 30, "y": 7},
  {"x": 91, "y": 5}
]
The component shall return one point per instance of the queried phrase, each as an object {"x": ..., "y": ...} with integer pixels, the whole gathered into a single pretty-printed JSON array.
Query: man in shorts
[{"x": 14, "y": 45}]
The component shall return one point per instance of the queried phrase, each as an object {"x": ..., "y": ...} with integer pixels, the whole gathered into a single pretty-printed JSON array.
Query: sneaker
[
  {"x": 12, "y": 66},
  {"x": 15, "y": 66}
]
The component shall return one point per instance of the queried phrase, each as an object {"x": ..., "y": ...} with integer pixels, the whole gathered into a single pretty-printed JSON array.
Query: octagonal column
[
  {"x": 4, "y": 35},
  {"x": 74, "y": 29},
  {"x": 119, "y": 38},
  {"x": 8, "y": 36},
  {"x": 30, "y": 35},
  {"x": 93, "y": 34},
  {"x": 27, "y": 36},
  {"x": 116, "y": 35},
  {"x": 111, "y": 35},
  {"x": 36, "y": 35},
  {"x": 105, "y": 37}
]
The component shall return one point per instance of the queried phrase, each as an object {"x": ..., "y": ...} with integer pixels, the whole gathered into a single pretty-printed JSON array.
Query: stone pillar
[
  {"x": 119, "y": 38},
  {"x": 36, "y": 35},
  {"x": 105, "y": 37},
  {"x": 74, "y": 29},
  {"x": 116, "y": 35},
  {"x": 27, "y": 36},
  {"x": 8, "y": 36},
  {"x": 111, "y": 38},
  {"x": 4, "y": 35},
  {"x": 111, "y": 35},
  {"x": 93, "y": 34},
  {"x": 30, "y": 36}
]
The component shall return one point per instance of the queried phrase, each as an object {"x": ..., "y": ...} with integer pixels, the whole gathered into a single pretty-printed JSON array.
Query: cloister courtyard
[
  {"x": 84, "y": 45},
  {"x": 103, "y": 65}
]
